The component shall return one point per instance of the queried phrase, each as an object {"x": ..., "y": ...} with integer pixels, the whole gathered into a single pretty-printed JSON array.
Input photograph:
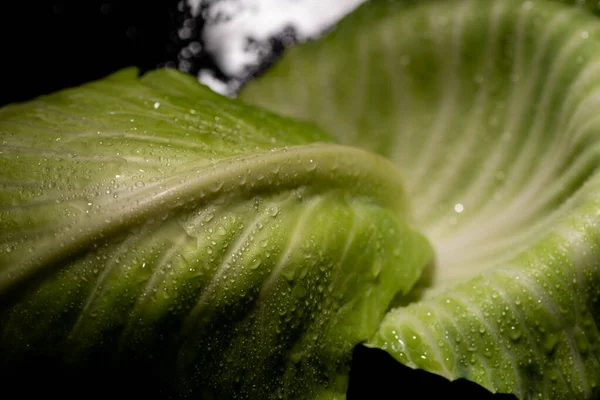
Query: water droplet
[
  {"x": 299, "y": 292},
  {"x": 414, "y": 341},
  {"x": 216, "y": 186},
  {"x": 273, "y": 211},
  {"x": 289, "y": 273},
  {"x": 459, "y": 208},
  {"x": 255, "y": 263},
  {"x": 221, "y": 231},
  {"x": 156, "y": 105},
  {"x": 514, "y": 333},
  {"x": 581, "y": 341}
]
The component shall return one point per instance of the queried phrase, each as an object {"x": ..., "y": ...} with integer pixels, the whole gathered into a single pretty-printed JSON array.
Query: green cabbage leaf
[
  {"x": 150, "y": 225},
  {"x": 425, "y": 182},
  {"x": 490, "y": 110}
]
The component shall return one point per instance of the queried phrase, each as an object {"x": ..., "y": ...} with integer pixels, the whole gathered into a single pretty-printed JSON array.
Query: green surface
[
  {"x": 441, "y": 202},
  {"x": 489, "y": 108},
  {"x": 235, "y": 252}
]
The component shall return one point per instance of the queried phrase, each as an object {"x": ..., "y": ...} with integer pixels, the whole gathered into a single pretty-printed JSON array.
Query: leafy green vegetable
[
  {"x": 489, "y": 109},
  {"x": 150, "y": 222}
]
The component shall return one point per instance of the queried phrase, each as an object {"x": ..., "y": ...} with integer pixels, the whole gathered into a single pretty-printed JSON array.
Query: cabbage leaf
[
  {"x": 150, "y": 224},
  {"x": 441, "y": 202},
  {"x": 489, "y": 108}
]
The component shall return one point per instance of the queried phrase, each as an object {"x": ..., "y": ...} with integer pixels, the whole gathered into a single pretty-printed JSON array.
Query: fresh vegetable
[
  {"x": 451, "y": 218},
  {"x": 489, "y": 108},
  {"x": 150, "y": 219}
]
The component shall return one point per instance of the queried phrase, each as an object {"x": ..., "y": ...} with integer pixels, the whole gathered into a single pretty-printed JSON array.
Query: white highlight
[
  {"x": 260, "y": 20},
  {"x": 208, "y": 78}
]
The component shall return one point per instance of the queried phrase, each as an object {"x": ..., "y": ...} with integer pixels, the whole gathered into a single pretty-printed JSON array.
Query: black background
[{"x": 48, "y": 45}]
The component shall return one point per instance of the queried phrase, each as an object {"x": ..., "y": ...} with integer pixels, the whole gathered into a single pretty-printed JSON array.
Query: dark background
[{"x": 49, "y": 45}]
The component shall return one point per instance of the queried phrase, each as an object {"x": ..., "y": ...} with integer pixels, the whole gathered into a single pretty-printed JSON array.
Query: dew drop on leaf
[
  {"x": 255, "y": 263},
  {"x": 514, "y": 333}
]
